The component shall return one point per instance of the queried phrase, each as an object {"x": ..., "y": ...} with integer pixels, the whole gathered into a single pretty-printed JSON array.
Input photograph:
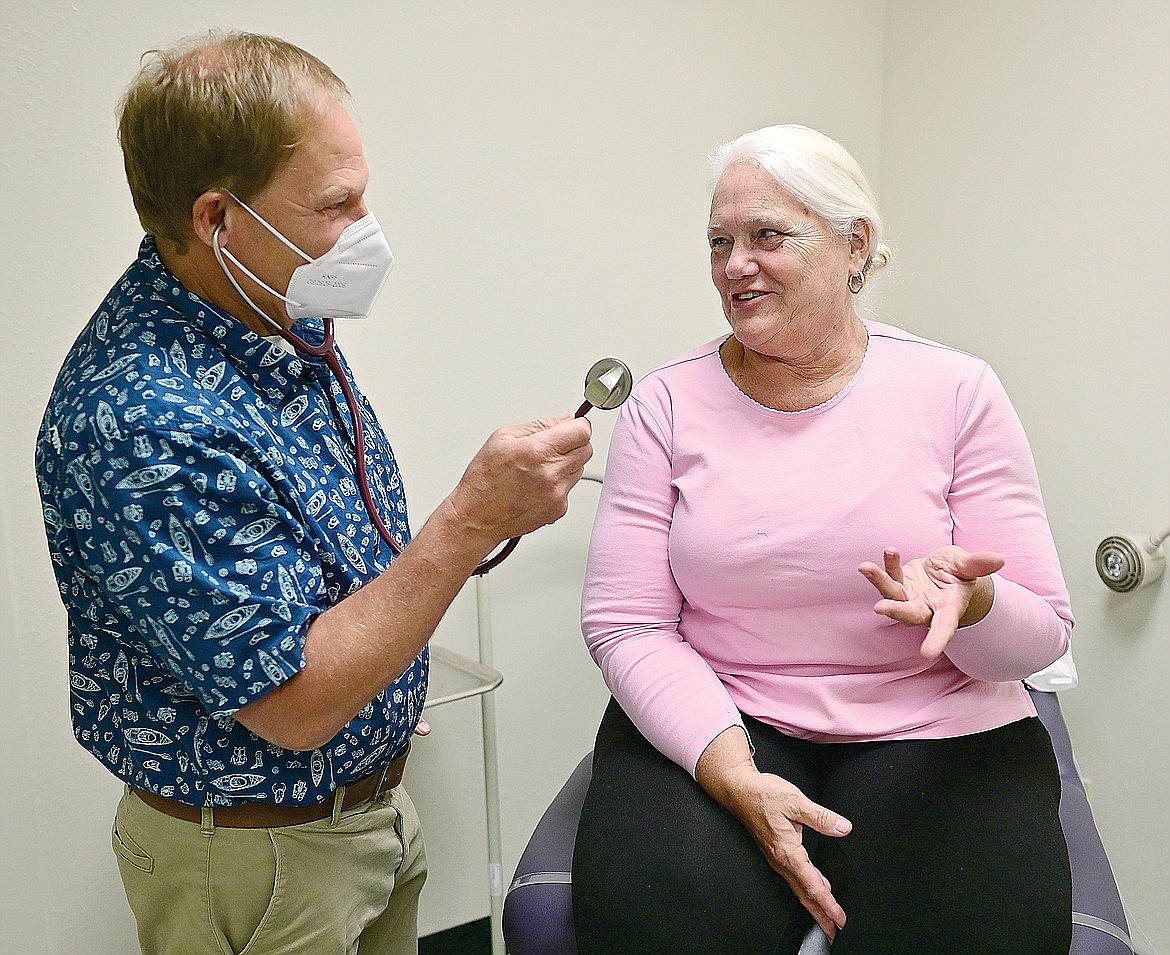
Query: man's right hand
[{"x": 520, "y": 479}]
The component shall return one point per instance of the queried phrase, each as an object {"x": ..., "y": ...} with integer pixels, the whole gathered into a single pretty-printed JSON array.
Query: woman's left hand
[{"x": 947, "y": 589}]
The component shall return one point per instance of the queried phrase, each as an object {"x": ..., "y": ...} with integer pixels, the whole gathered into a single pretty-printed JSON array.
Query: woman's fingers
[
  {"x": 813, "y": 891},
  {"x": 911, "y": 613},
  {"x": 809, "y": 885},
  {"x": 779, "y": 813},
  {"x": 943, "y": 624},
  {"x": 893, "y": 564},
  {"x": 970, "y": 566},
  {"x": 889, "y": 587}
]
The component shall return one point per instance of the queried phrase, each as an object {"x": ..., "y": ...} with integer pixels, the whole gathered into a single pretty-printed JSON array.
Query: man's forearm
[{"x": 361, "y": 645}]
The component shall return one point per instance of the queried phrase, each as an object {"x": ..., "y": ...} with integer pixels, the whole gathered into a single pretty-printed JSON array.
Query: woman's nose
[{"x": 741, "y": 263}]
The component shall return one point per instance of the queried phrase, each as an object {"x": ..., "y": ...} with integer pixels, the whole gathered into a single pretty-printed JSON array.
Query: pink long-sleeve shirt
[{"x": 722, "y": 570}]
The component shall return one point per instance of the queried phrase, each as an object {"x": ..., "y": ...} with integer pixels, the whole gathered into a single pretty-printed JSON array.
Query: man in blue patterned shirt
[{"x": 246, "y": 652}]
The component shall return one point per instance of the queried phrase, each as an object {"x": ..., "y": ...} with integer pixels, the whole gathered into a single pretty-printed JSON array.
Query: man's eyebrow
[{"x": 337, "y": 192}]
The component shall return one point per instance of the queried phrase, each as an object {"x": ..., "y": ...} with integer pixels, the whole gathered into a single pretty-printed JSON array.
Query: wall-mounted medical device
[{"x": 1126, "y": 562}]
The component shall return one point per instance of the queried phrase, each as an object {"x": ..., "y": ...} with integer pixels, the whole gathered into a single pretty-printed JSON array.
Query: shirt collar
[{"x": 268, "y": 364}]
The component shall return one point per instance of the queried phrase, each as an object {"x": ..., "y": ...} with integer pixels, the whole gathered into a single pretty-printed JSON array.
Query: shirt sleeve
[
  {"x": 631, "y": 603},
  {"x": 996, "y": 505},
  {"x": 192, "y": 553}
]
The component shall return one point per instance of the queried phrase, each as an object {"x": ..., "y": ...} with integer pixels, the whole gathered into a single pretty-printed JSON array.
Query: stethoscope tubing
[{"x": 327, "y": 351}]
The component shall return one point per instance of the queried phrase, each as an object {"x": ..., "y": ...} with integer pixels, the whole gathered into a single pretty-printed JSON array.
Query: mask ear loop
[
  {"x": 221, "y": 253},
  {"x": 269, "y": 226}
]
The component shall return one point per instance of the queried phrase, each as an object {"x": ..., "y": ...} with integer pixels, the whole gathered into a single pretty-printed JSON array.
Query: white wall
[
  {"x": 1023, "y": 175},
  {"x": 539, "y": 169}
]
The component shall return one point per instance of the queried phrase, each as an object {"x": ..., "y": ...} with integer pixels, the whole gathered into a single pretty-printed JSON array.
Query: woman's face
[{"x": 780, "y": 269}]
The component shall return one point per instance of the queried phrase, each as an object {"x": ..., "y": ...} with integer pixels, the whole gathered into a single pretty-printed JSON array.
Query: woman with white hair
[{"x": 780, "y": 748}]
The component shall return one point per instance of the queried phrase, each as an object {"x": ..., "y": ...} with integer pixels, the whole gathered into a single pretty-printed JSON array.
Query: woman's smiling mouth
[{"x": 746, "y": 298}]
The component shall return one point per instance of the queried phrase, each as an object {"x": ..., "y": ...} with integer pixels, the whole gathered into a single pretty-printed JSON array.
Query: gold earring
[{"x": 856, "y": 282}]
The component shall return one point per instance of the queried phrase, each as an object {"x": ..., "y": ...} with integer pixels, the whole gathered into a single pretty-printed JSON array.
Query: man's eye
[{"x": 717, "y": 242}]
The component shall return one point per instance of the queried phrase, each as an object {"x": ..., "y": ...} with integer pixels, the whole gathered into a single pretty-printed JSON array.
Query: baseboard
[{"x": 471, "y": 938}]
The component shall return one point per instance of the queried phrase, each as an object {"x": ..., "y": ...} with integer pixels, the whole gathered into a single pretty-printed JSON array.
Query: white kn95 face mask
[{"x": 342, "y": 283}]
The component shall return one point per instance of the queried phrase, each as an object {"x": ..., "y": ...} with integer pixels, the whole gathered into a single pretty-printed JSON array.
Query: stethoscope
[{"x": 607, "y": 385}]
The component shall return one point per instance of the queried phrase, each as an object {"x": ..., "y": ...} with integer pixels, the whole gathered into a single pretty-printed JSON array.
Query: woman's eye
[{"x": 770, "y": 235}]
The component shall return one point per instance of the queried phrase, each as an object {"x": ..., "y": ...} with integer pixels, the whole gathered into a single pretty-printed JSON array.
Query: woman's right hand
[{"x": 775, "y": 813}]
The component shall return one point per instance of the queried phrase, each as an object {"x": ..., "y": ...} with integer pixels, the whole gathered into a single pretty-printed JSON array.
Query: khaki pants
[{"x": 342, "y": 886}]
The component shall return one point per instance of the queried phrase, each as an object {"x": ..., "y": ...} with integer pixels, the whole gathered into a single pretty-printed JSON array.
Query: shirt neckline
[{"x": 817, "y": 409}]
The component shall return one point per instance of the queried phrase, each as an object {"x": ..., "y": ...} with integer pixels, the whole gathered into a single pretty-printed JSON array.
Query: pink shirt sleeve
[
  {"x": 631, "y": 603},
  {"x": 995, "y": 504}
]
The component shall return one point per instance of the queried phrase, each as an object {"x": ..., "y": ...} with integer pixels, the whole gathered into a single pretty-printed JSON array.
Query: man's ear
[{"x": 208, "y": 211}]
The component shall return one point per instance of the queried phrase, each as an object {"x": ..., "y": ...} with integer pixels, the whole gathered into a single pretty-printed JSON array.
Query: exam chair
[{"x": 538, "y": 908}]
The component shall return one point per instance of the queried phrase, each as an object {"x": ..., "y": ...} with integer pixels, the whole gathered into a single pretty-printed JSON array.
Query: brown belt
[{"x": 262, "y": 815}]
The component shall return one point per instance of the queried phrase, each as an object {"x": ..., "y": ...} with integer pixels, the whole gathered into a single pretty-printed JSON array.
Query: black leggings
[{"x": 956, "y": 849}]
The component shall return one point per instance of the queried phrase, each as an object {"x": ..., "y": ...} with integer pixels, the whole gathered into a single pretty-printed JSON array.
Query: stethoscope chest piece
[{"x": 607, "y": 385}]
